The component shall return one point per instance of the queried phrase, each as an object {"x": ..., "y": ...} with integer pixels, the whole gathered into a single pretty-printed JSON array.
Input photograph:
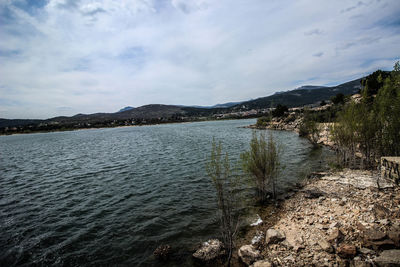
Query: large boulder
[
  {"x": 248, "y": 254},
  {"x": 273, "y": 236},
  {"x": 209, "y": 250},
  {"x": 389, "y": 258}
]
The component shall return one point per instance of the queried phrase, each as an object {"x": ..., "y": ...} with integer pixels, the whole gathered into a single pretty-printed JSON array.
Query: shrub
[
  {"x": 263, "y": 121},
  {"x": 262, "y": 163},
  {"x": 219, "y": 170},
  {"x": 338, "y": 99},
  {"x": 279, "y": 111}
]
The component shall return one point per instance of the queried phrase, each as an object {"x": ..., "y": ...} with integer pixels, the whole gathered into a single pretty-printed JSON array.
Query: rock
[
  {"x": 395, "y": 237},
  {"x": 325, "y": 245},
  {"x": 273, "y": 236},
  {"x": 209, "y": 250},
  {"x": 384, "y": 222},
  {"x": 383, "y": 244},
  {"x": 293, "y": 240},
  {"x": 263, "y": 263},
  {"x": 258, "y": 238},
  {"x": 313, "y": 193},
  {"x": 381, "y": 211},
  {"x": 257, "y": 222},
  {"x": 388, "y": 258},
  {"x": 162, "y": 252},
  {"x": 359, "y": 263},
  {"x": 248, "y": 254},
  {"x": 373, "y": 235},
  {"x": 367, "y": 251},
  {"x": 377, "y": 240},
  {"x": 347, "y": 251},
  {"x": 335, "y": 237},
  {"x": 361, "y": 226}
]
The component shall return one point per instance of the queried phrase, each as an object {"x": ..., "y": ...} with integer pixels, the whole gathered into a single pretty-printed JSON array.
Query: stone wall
[{"x": 390, "y": 168}]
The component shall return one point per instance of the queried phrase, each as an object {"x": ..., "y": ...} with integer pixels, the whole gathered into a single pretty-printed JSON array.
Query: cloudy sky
[{"x": 62, "y": 57}]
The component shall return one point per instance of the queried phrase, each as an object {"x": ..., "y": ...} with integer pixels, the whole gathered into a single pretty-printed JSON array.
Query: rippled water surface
[{"x": 111, "y": 196}]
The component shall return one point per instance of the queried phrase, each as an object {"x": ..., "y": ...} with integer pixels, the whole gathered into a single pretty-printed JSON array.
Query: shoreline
[
  {"x": 123, "y": 126},
  {"x": 313, "y": 236},
  {"x": 333, "y": 220}
]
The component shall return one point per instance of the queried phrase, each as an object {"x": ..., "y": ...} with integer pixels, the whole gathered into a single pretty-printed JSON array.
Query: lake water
[{"x": 111, "y": 196}]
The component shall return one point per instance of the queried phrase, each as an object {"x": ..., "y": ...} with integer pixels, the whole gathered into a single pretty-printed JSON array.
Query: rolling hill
[{"x": 301, "y": 96}]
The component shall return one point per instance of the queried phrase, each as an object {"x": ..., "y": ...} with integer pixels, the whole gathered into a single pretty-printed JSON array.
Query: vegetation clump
[
  {"x": 219, "y": 170},
  {"x": 338, "y": 99},
  {"x": 310, "y": 128},
  {"x": 279, "y": 111},
  {"x": 262, "y": 163},
  {"x": 371, "y": 126},
  {"x": 263, "y": 121}
]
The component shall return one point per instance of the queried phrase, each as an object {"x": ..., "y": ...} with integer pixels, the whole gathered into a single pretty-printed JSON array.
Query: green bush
[
  {"x": 262, "y": 163},
  {"x": 279, "y": 111},
  {"x": 219, "y": 170},
  {"x": 263, "y": 121}
]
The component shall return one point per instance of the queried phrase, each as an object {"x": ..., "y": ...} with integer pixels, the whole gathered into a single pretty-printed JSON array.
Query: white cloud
[{"x": 90, "y": 56}]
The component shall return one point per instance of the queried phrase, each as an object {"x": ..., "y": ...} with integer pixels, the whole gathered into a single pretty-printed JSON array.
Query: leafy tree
[
  {"x": 387, "y": 110},
  {"x": 262, "y": 163},
  {"x": 219, "y": 170},
  {"x": 373, "y": 82},
  {"x": 310, "y": 128},
  {"x": 372, "y": 126},
  {"x": 338, "y": 99},
  {"x": 279, "y": 111}
]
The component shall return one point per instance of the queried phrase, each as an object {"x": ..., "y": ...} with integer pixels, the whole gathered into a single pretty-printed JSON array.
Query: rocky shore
[{"x": 336, "y": 219}]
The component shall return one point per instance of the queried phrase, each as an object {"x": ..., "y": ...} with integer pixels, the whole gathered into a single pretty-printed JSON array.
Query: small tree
[
  {"x": 338, "y": 99},
  {"x": 310, "y": 128},
  {"x": 219, "y": 170},
  {"x": 279, "y": 111},
  {"x": 262, "y": 162}
]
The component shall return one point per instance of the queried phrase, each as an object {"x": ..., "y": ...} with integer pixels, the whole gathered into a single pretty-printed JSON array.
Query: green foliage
[
  {"x": 219, "y": 170},
  {"x": 279, "y": 111},
  {"x": 309, "y": 128},
  {"x": 262, "y": 163},
  {"x": 323, "y": 103},
  {"x": 387, "y": 110},
  {"x": 373, "y": 82},
  {"x": 263, "y": 121},
  {"x": 372, "y": 126},
  {"x": 338, "y": 99}
]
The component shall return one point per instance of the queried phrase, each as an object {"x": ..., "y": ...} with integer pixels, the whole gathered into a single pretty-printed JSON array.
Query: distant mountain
[
  {"x": 304, "y": 87},
  {"x": 125, "y": 109},
  {"x": 310, "y": 87},
  {"x": 227, "y": 105},
  {"x": 143, "y": 112},
  {"x": 224, "y": 105},
  {"x": 301, "y": 96}
]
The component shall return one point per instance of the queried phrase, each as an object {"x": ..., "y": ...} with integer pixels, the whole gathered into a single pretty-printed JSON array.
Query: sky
[{"x": 63, "y": 57}]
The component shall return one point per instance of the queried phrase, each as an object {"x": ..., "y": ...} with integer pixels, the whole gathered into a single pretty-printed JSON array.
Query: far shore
[{"x": 121, "y": 126}]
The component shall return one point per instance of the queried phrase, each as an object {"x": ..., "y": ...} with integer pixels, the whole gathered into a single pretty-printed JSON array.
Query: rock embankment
[{"x": 339, "y": 219}]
